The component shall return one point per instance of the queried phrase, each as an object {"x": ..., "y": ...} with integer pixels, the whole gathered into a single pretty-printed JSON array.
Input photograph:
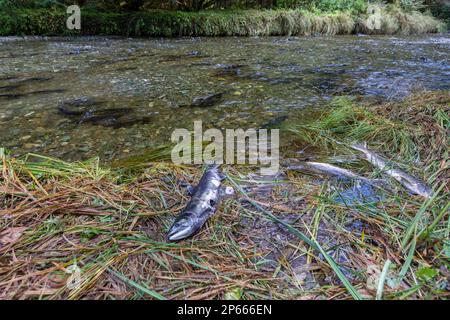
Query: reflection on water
[{"x": 80, "y": 97}]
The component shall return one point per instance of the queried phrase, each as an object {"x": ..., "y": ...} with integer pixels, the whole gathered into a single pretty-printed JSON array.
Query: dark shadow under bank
[{"x": 213, "y": 23}]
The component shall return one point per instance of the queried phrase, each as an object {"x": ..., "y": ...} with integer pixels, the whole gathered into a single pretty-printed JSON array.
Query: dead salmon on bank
[
  {"x": 203, "y": 204},
  {"x": 329, "y": 169},
  {"x": 412, "y": 184}
]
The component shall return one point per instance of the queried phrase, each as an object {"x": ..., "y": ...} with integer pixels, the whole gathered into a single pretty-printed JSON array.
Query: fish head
[
  {"x": 414, "y": 186},
  {"x": 182, "y": 228},
  {"x": 422, "y": 190}
]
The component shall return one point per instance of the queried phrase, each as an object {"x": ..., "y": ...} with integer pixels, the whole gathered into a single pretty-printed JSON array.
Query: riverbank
[
  {"x": 112, "y": 223},
  {"x": 217, "y": 23}
]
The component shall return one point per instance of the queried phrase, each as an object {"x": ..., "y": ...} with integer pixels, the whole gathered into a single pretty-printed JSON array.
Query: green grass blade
[
  {"x": 314, "y": 244},
  {"x": 142, "y": 288},
  {"x": 411, "y": 229},
  {"x": 382, "y": 279}
]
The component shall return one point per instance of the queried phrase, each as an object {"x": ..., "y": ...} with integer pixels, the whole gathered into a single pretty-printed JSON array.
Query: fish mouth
[
  {"x": 425, "y": 193},
  {"x": 176, "y": 234}
]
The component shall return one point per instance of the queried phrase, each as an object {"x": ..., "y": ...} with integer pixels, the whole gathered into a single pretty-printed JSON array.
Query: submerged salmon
[
  {"x": 414, "y": 185},
  {"x": 203, "y": 204}
]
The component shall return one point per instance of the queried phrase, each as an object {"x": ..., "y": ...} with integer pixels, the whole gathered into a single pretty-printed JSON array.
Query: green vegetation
[
  {"x": 441, "y": 10},
  {"x": 112, "y": 224},
  {"x": 220, "y": 18},
  {"x": 213, "y": 23},
  {"x": 408, "y": 132},
  {"x": 303, "y": 238},
  {"x": 198, "y": 5}
]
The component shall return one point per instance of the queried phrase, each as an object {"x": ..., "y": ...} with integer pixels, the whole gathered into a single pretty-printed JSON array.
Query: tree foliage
[{"x": 198, "y": 5}]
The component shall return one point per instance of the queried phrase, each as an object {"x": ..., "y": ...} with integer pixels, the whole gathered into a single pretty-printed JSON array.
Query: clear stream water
[{"x": 124, "y": 96}]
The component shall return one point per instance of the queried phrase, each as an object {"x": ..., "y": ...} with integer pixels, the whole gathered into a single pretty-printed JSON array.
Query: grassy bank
[
  {"x": 214, "y": 23},
  {"x": 293, "y": 240}
]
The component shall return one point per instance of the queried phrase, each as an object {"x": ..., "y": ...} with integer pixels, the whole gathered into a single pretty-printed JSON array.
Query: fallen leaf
[
  {"x": 235, "y": 294},
  {"x": 427, "y": 273}
]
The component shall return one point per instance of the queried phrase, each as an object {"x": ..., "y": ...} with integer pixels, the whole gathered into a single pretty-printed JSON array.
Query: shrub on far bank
[
  {"x": 394, "y": 20},
  {"x": 164, "y": 23}
]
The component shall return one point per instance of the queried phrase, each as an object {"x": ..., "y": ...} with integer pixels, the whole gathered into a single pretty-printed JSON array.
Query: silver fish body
[
  {"x": 414, "y": 185},
  {"x": 330, "y": 170},
  {"x": 200, "y": 208},
  {"x": 375, "y": 159}
]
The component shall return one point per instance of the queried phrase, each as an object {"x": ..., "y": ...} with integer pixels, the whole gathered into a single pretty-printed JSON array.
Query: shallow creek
[{"x": 75, "y": 98}]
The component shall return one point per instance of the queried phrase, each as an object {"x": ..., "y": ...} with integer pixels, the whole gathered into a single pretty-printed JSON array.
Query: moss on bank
[{"x": 213, "y": 23}]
